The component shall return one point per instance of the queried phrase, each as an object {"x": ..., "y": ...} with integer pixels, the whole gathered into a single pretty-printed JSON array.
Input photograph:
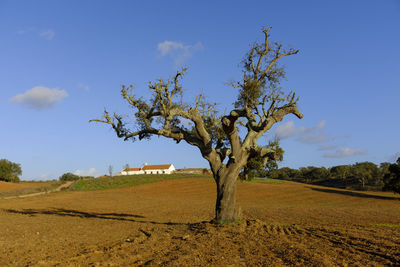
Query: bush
[
  {"x": 9, "y": 171},
  {"x": 69, "y": 177}
]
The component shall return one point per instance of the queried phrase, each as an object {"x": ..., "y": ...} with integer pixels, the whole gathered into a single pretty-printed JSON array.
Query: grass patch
[
  {"x": 266, "y": 181},
  {"x": 114, "y": 182},
  {"x": 387, "y": 225}
]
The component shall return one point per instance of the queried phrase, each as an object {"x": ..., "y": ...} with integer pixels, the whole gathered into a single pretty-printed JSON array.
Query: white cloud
[
  {"x": 45, "y": 176},
  {"x": 178, "y": 51},
  {"x": 288, "y": 129},
  {"x": 40, "y": 97},
  {"x": 320, "y": 125},
  {"x": 345, "y": 152},
  {"x": 84, "y": 87},
  {"x": 313, "y": 139},
  {"x": 90, "y": 172},
  {"x": 47, "y": 34}
]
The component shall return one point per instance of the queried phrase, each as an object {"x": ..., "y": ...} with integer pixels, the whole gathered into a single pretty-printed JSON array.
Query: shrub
[{"x": 69, "y": 177}]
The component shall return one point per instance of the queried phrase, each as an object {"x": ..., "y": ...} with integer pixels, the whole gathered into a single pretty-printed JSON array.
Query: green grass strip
[
  {"x": 266, "y": 181},
  {"x": 388, "y": 225},
  {"x": 113, "y": 182}
]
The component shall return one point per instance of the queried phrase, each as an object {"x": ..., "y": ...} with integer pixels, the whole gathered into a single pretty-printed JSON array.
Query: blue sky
[{"x": 63, "y": 62}]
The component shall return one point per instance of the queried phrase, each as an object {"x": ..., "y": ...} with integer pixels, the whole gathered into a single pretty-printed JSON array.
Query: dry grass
[{"x": 24, "y": 188}]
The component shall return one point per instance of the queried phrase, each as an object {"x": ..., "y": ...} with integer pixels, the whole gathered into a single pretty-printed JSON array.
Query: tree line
[{"x": 359, "y": 176}]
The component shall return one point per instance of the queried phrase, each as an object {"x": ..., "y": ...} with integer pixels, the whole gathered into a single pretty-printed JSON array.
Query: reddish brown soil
[{"x": 164, "y": 224}]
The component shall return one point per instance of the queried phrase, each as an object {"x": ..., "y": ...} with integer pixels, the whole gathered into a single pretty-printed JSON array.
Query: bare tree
[
  {"x": 126, "y": 167},
  {"x": 260, "y": 104},
  {"x": 110, "y": 170}
]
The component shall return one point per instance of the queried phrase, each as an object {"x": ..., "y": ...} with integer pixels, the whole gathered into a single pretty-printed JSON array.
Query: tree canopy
[
  {"x": 260, "y": 104},
  {"x": 392, "y": 178},
  {"x": 257, "y": 166},
  {"x": 9, "y": 171}
]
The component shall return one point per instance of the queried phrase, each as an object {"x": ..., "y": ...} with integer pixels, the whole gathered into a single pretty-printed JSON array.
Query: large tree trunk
[{"x": 226, "y": 197}]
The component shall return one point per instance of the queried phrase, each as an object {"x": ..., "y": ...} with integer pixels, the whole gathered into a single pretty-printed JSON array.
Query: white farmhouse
[
  {"x": 131, "y": 171},
  {"x": 158, "y": 169},
  {"x": 150, "y": 169}
]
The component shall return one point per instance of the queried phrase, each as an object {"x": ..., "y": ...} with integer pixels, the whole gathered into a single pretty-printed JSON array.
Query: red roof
[
  {"x": 131, "y": 169},
  {"x": 156, "y": 167}
]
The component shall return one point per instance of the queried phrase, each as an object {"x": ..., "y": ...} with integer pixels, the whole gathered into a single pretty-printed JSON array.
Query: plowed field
[{"x": 165, "y": 223}]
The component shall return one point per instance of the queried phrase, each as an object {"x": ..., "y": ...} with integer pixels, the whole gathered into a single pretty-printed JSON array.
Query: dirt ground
[
  {"x": 165, "y": 223},
  {"x": 7, "y": 187}
]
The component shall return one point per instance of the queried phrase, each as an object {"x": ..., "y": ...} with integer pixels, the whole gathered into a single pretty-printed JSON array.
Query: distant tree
[
  {"x": 294, "y": 174},
  {"x": 110, "y": 170},
  {"x": 272, "y": 164},
  {"x": 69, "y": 177},
  {"x": 340, "y": 172},
  {"x": 253, "y": 168},
  {"x": 126, "y": 166},
  {"x": 258, "y": 166},
  {"x": 284, "y": 173},
  {"x": 229, "y": 141},
  {"x": 365, "y": 173},
  {"x": 9, "y": 171},
  {"x": 392, "y": 178},
  {"x": 312, "y": 174},
  {"x": 384, "y": 168}
]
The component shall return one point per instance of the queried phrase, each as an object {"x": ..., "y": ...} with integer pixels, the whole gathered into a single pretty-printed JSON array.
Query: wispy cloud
[
  {"x": 345, "y": 152},
  {"x": 84, "y": 87},
  {"x": 90, "y": 172},
  {"x": 327, "y": 147},
  {"x": 178, "y": 51},
  {"x": 47, "y": 34},
  {"x": 394, "y": 157},
  {"x": 288, "y": 129},
  {"x": 40, "y": 97},
  {"x": 313, "y": 139},
  {"x": 21, "y": 32}
]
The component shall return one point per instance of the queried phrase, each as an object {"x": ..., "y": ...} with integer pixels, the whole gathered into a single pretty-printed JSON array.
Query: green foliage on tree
[
  {"x": 260, "y": 167},
  {"x": 340, "y": 172},
  {"x": 69, "y": 177},
  {"x": 392, "y": 178},
  {"x": 366, "y": 173},
  {"x": 9, "y": 171},
  {"x": 362, "y": 175},
  {"x": 313, "y": 174},
  {"x": 285, "y": 173}
]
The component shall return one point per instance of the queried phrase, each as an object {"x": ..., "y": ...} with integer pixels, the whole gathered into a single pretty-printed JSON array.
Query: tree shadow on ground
[
  {"x": 351, "y": 193},
  {"x": 83, "y": 214}
]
